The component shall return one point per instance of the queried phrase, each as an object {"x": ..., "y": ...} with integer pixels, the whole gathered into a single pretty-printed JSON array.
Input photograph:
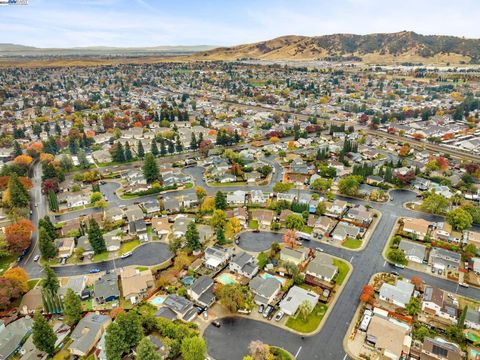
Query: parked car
[
  {"x": 64, "y": 260},
  {"x": 267, "y": 311},
  {"x": 261, "y": 308},
  {"x": 216, "y": 323},
  {"x": 319, "y": 249},
  {"x": 400, "y": 266},
  {"x": 279, "y": 315},
  {"x": 94, "y": 270},
  {"x": 465, "y": 285},
  {"x": 127, "y": 254},
  {"x": 205, "y": 315},
  {"x": 36, "y": 258}
]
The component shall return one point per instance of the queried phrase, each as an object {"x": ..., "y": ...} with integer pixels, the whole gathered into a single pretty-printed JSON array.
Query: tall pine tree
[
  {"x": 42, "y": 335},
  {"x": 128, "y": 152},
  {"x": 150, "y": 168},
  {"x": 45, "y": 244},
  {"x": 18, "y": 195},
  {"x": 95, "y": 237},
  {"x": 140, "y": 150}
]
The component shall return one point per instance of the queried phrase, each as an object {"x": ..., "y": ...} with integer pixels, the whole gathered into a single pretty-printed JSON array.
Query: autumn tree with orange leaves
[
  {"x": 19, "y": 235},
  {"x": 404, "y": 150},
  {"x": 289, "y": 238},
  {"x": 367, "y": 295},
  {"x": 19, "y": 275}
]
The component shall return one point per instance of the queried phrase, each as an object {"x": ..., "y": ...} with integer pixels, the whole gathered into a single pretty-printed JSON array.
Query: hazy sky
[{"x": 68, "y": 23}]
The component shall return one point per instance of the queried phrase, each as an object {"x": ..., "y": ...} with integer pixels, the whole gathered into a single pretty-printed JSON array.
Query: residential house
[
  {"x": 161, "y": 226},
  {"x": 324, "y": 225},
  {"x": 417, "y": 227},
  {"x": 322, "y": 268},
  {"x": 258, "y": 197},
  {"x": 389, "y": 337},
  {"x": 12, "y": 335},
  {"x": 151, "y": 207},
  {"x": 215, "y": 257},
  {"x": 182, "y": 307},
  {"x": 76, "y": 200},
  {"x": 472, "y": 318},
  {"x": 138, "y": 228},
  {"x": 84, "y": 243},
  {"x": 31, "y": 301},
  {"x": 201, "y": 291},
  {"x": 236, "y": 197},
  {"x": 436, "y": 349},
  {"x": 414, "y": 251},
  {"x": 180, "y": 225},
  {"x": 345, "y": 230},
  {"x": 113, "y": 240},
  {"x": 65, "y": 247},
  {"x": 244, "y": 264},
  {"x": 87, "y": 333},
  {"x": 70, "y": 226},
  {"x": 472, "y": 237},
  {"x": 171, "y": 204},
  {"x": 436, "y": 302},
  {"x": 226, "y": 178},
  {"x": 443, "y": 259},
  {"x": 263, "y": 216},
  {"x": 264, "y": 289},
  {"x": 295, "y": 297},
  {"x": 288, "y": 197},
  {"x": 75, "y": 283},
  {"x": 113, "y": 214},
  {"x": 359, "y": 216},
  {"x": 205, "y": 232},
  {"x": 188, "y": 200},
  {"x": 296, "y": 256},
  {"x": 337, "y": 208},
  {"x": 102, "y": 156},
  {"x": 135, "y": 283},
  {"x": 398, "y": 294},
  {"x": 133, "y": 213},
  {"x": 239, "y": 213},
  {"x": 106, "y": 288}
]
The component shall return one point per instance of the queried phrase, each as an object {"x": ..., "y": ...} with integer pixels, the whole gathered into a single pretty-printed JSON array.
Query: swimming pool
[
  {"x": 278, "y": 278},
  {"x": 157, "y": 300},
  {"x": 226, "y": 279},
  {"x": 188, "y": 280}
]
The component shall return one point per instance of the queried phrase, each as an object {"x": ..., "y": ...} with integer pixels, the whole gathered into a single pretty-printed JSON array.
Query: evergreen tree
[
  {"x": 73, "y": 145},
  {"x": 193, "y": 142},
  {"x": 163, "y": 148},
  {"x": 50, "y": 280},
  {"x": 45, "y": 244},
  {"x": 95, "y": 237},
  {"x": 146, "y": 350},
  {"x": 72, "y": 307},
  {"x": 58, "y": 130},
  {"x": 122, "y": 335},
  {"x": 220, "y": 233},
  {"x": 178, "y": 145},
  {"x": 47, "y": 224},
  {"x": 82, "y": 159},
  {"x": 154, "y": 148},
  {"x": 140, "y": 150},
  {"x": 119, "y": 154},
  {"x": 220, "y": 200},
  {"x": 150, "y": 168},
  {"x": 17, "y": 150},
  {"x": 192, "y": 237},
  {"x": 42, "y": 335},
  {"x": 128, "y": 152},
  {"x": 114, "y": 345},
  {"x": 49, "y": 171},
  {"x": 52, "y": 200},
  {"x": 171, "y": 147},
  {"x": 18, "y": 195}
]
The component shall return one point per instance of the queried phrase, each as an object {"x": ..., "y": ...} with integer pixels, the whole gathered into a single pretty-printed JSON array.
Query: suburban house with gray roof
[
  {"x": 12, "y": 335},
  {"x": 106, "y": 288},
  {"x": 244, "y": 264},
  {"x": 398, "y": 294},
  {"x": 87, "y": 333},
  {"x": 295, "y": 297},
  {"x": 201, "y": 291},
  {"x": 265, "y": 290},
  {"x": 443, "y": 259},
  {"x": 322, "y": 268},
  {"x": 414, "y": 251},
  {"x": 181, "y": 306}
]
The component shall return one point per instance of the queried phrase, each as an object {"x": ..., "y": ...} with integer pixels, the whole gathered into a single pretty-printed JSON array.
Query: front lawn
[
  {"x": 312, "y": 322},
  {"x": 343, "y": 270},
  {"x": 280, "y": 354},
  {"x": 307, "y": 229},
  {"x": 352, "y": 243},
  {"x": 100, "y": 257},
  {"x": 87, "y": 305},
  {"x": 253, "y": 224},
  {"x": 128, "y": 246},
  {"x": 5, "y": 262},
  {"x": 32, "y": 283}
]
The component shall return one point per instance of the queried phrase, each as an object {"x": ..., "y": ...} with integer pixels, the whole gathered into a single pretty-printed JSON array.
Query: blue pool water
[
  {"x": 226, "y": 279},
  {"x": 157, "y": 300}
]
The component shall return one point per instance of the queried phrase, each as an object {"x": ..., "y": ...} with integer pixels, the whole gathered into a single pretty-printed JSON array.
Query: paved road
[{"x": 230, "y": 342}]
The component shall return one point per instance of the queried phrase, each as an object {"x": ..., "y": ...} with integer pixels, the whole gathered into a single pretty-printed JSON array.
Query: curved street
[{"x": 231, "y": 340}]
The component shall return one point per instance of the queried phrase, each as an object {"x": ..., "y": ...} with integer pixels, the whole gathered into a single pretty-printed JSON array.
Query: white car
[
  {"x": 127, "y": 254},
  {"x": 279, "y": 315},
  {"x": 319, "y": 249},
  {"x": 36, "y": 258}
]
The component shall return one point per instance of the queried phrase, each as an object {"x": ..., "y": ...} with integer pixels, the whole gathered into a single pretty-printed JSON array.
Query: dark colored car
[{"x": 216, "y": 323}]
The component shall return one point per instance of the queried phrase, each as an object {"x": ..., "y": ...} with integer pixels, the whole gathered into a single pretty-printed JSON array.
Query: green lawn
[
  {"x": 343, "y": 270},
  {"x": 280, "y": 354},
  {"x": 312, "y": 322},
  {"x": 32, "y": 283},
  {"x": 5, "y": 262},
  {"x": 128, "y": 246},
  {"x": 253, "y": 224},
  {"x": 100, "y": 257},
  {"x": 227, "y": 184},
  {"x": 307, "y": 229},
  {"x": 352, "y": 243},
  {"x": 142, "y": 268},
  {"x": 87, "y": 305}
]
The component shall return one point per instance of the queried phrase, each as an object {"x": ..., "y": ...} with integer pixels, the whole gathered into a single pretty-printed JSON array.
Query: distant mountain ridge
[
  {"x": 23, "y": 50},
  {"x": 405, "y": 46}
]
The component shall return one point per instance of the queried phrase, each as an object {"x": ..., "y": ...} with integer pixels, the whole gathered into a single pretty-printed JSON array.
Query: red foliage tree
[
  {"x": 9, "y": 291},
  {"x": 289, "y": 238},
  {"x": 19, "y": 235},
  {"x": 417, "y": 281},
  {"x": 443, "y": 163},
  {"x": 367, "y": 294},
  {"x": 363, "y": 119},
  {"x": 204, "y": 146},
  {"x": 50, "y": 184}
]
